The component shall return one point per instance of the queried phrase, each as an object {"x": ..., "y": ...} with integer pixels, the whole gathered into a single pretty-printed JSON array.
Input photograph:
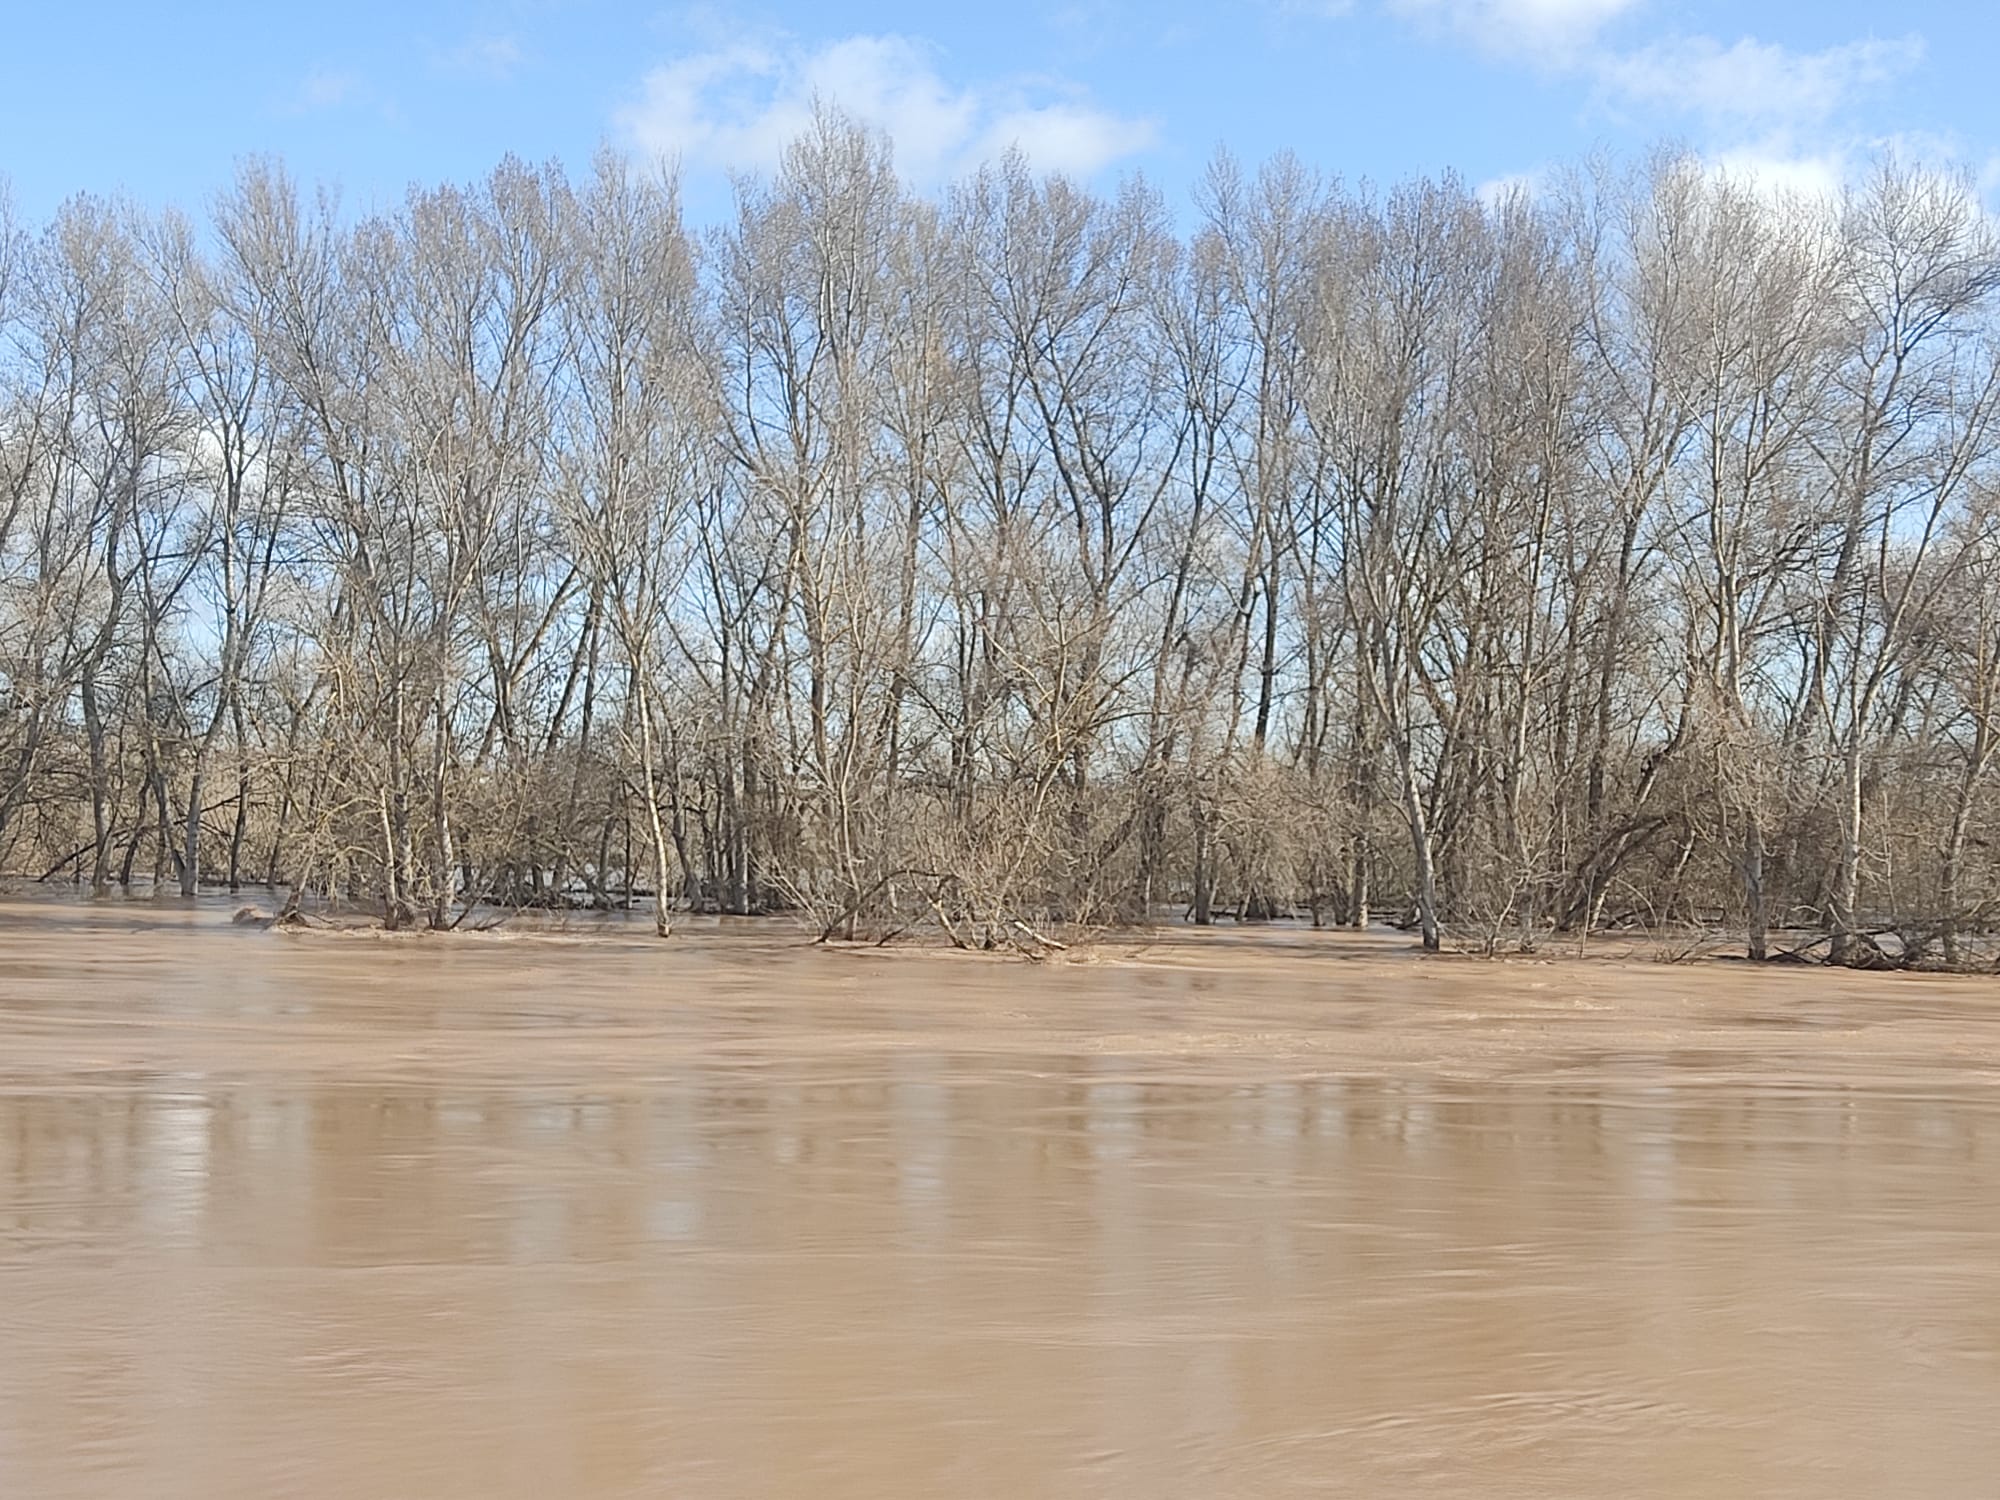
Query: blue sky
[{"x": 161, "y": 100}]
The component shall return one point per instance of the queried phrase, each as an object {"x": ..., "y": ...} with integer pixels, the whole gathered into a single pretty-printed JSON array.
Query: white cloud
[
  {"x": 737, "y": 107},
  {"x": 1778, "y": 163},
  {"x": 1753, "y": 80},
  {"x": 1319, "y": 10},
  {"x": 1496, "y": 191},
  {"x": 1986, "y": 179},
  {"x": 324, "y": 88},
  {"x": 1773, "y": 115},
  {"x": 1741, "y": 85},
  {"x": 1069, "y": 138},
  {"x": 1555, "y": 32},
  {"x": 1776, "y": 117},
  {"x": 1775, "y": 165},
  {"x": 497, "y": 57}
]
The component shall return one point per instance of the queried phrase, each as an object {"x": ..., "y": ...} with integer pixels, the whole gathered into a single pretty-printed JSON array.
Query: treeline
[{"x": 1628, "y": 553}]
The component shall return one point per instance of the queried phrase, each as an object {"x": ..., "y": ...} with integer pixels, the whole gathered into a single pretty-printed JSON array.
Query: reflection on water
[{"x": 784, "y": 1263}]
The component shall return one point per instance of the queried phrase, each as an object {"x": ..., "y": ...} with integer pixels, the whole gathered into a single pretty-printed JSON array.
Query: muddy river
[{"x": 1266, "y": 1214}]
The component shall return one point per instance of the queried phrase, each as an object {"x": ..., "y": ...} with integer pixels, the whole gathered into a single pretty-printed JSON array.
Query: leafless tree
[{"x": 1009, "y": 558}]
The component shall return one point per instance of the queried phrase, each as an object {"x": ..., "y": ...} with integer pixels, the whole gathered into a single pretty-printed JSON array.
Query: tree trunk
[
  {"x": 662, "y": 913},
  {"x": 1204, "y": 871},
  {"x": 1846, "y": 902},
  {"x": 1420, "y": 850},
  {"x": 1753, "y": 890},
  {"x": 191, "y": 841},
  {"x": 100, "y": 813},
  {"x": 447, "y": 871},
  {"x": 241, "y": 827}
]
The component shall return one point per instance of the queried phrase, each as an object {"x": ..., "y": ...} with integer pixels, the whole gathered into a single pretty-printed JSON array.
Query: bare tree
[{"x": 1619, "y": 554}]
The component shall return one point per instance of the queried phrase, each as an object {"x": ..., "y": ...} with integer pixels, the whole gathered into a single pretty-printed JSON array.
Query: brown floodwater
[{"x": 1256, "y": 1214}]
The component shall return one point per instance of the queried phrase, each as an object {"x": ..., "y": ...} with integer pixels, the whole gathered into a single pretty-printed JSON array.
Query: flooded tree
[{"x": 1622, "y": 555}]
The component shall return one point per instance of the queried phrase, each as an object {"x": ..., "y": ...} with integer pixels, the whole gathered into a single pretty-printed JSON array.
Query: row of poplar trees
[{"x": 1017, "y": 556}]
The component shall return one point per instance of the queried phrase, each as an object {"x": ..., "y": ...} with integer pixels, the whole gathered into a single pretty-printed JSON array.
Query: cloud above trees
[{"x": 735, "y": 106}]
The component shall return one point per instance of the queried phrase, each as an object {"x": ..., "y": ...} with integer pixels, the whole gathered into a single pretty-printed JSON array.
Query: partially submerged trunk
[{"x": 1758, "y": 917}]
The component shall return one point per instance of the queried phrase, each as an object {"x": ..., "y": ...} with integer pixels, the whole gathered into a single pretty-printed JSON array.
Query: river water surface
[{"x": 331, "y": 1215}]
